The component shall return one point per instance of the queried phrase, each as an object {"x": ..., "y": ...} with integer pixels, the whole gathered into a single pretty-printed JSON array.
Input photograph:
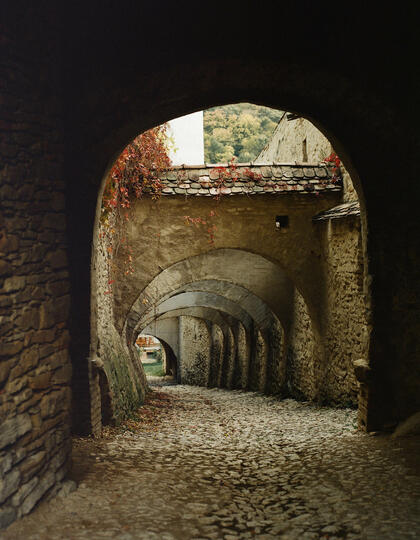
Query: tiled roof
[
  {"x": 340, "y": 211},
  {"x": 246, "y": 178}
]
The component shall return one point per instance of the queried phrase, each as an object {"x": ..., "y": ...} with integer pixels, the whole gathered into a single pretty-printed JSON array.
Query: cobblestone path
[{"x": 233, "y": 465}]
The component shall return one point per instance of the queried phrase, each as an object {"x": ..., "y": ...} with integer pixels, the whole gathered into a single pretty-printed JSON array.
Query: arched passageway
[
  {"x": 74, "y": 96},
  {"x": 167, "y": 336}
]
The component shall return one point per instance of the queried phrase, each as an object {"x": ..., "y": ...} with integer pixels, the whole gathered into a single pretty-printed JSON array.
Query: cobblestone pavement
[{"x": 235, "y": 465}]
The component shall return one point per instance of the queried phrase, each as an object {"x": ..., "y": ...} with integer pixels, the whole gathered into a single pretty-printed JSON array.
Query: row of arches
[
  {"x": 227, "y": 317},
  {"x": 76, "y": 95},
  {"x": 239, "y": 316}
]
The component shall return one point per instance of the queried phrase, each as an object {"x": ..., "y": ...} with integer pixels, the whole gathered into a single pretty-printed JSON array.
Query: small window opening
[
  {"x": 282, "y": 222},
  {"x": 304, "y": 151}
]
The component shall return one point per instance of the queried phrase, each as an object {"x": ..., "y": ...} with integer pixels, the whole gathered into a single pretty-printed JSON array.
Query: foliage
[
  {"x": 226, "y": 176},
  {"x": 155, "y": 369},
  {"x": 238, "y": 130},
  {"x": 136, "y": 170},
  {"x": 335, "y": 162}
]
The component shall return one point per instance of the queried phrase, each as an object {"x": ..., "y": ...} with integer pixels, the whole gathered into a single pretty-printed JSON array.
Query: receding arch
[
  {"x": 261, "y": 314},
  {"x": 263, "y": 278},
  {"x": 271, "y": 331},
  {"x": 201, "y": 312},
  {"x": 201, "y": 299}
]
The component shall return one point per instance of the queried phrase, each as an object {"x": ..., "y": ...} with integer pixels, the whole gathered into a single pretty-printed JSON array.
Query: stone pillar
[
  {"x": 194, "y": 351},
  {"x": 216, "y": 357}
]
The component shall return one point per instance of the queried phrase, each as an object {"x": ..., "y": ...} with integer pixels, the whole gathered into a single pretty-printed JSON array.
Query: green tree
[{"x": 239, "y": 130}]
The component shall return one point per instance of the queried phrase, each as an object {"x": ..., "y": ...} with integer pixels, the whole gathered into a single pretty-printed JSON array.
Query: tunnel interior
[
  {"x": 75, "y": 91},
  {"x": 272, "y": 302}
]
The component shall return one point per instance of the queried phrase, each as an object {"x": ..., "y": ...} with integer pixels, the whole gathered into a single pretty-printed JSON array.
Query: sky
[{"x": 187, "y": 132}]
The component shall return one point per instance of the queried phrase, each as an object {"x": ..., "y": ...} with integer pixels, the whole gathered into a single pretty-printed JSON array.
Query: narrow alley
[{"x": 210, "y": 463}]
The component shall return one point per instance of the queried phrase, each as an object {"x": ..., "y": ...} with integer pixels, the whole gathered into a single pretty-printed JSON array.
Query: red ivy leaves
[
  {"x": 334, "y": 160},
  {"x": 200, "y": 221},
  {"x": 137, "y": 168}
]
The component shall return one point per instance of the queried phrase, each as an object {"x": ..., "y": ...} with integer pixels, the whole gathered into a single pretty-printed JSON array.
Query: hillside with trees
[{"x": 239, "y": 130}]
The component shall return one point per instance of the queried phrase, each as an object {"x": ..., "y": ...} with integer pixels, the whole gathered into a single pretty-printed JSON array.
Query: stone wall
[
  {"x": 299, "y": 140},
  {"x": 229, "y": 360},
  {"x": 320, "y": 366},
  {"x": 35, "y": 369},
  {"x": 242, "y": 356},
  {"x": 194, "y": 351},
  {"x": 216, "y": 355},
  {"x": 346, "y": 337},
  {"x": 241, "y": 223},
  {"x": 276, "y": 362},
  {"x": 302, "y": 355},
  {"x": 112, "y": 358},
  {"x": 258, "y": 362}
]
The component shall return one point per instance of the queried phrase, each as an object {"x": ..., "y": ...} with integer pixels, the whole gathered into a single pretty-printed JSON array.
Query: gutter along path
[{"x": 208, "y": 463}]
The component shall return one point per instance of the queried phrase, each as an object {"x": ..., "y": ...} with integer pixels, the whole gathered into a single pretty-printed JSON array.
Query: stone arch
[
  {"x": 222, "y": 279},
  {"x": 164, "y": 331},
  {"x": 301, "y": 103},
  {"x": 260, "y": 317},
  {"x": 78, "y": 125},
  {"x": 170, "y": 359},
  {"x": 221, "y": 333},
  {"x": 221, "y": 270}
]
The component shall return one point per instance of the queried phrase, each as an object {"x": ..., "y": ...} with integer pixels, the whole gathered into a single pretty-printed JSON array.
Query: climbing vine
[
  {"x": 136, "y": 171},
  {"x": 225, "y": 176},
  {"x": 335, "y": 161}
]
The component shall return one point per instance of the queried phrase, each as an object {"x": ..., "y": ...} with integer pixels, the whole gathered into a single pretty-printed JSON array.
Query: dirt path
[{"x": 209, "y": 463}]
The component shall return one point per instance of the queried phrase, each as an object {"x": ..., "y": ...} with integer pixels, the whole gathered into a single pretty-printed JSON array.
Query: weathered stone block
[
  {"x": 45, "y": 483},
  {"x": 23, "y": 491},
  {"x": 31, "y": 465},
  {"x": 5, "y": 268},
  {"x": 9, "y": 244},
  {"x": 40, "y": 381},
  {"x": 16, "y": 386},
  {"x": 43, "y": 336},
  {"x": 14, "y": 428},
  {"x": 5, "y": 368},
  {"x": 7, "y": 516},
  {"x": 5, "y": 463},
  {"x": 58, "y": 359},
  {"x": 28, "y": 319},
  {"x": 58, "y": 288},
  {"x": 22, "y": 397},
  {"x": 28, "y": 360},
  {"x": 14, "y": 283},
  {"x": 62, "y": 375},
  {"x": 9, "y": 484},
  {"x": 54, "y": 402}
]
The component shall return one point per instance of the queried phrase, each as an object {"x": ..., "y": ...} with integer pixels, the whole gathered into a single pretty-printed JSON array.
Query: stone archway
[{"x": 69, "y": 115}]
